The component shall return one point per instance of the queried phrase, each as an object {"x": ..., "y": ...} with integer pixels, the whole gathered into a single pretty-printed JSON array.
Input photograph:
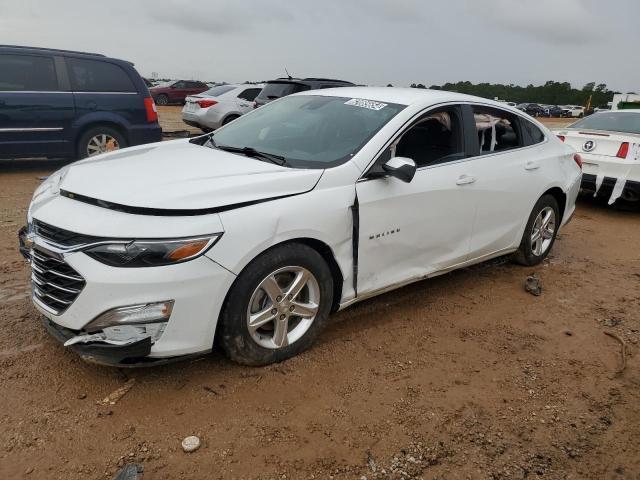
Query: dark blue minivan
[{"x": 58, "y": 103}]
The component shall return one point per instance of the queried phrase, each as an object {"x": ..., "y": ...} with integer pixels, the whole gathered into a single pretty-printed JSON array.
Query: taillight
[
  {"x": 206, "y": 103},
  {"x": 561, "y": 137},
  {"x": 623, "y": 150},
  {"x": 578, "y": 159},
  {"x": 150, "y": 108}
]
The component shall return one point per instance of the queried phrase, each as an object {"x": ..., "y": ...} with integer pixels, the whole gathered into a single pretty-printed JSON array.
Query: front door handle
[
  {"x": 531, "y": 165},
  {"x": 465, "y": 180}
]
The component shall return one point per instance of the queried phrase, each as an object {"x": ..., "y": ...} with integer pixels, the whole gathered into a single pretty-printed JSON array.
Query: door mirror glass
[{"x": 402, "y": 168}]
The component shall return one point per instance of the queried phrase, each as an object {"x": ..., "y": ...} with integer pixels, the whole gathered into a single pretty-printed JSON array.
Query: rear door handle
[
  {"x": 465, "y": 180},
  {"x": 531, "y": 165}
]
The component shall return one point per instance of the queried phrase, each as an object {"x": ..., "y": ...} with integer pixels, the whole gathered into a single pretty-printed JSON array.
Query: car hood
[{"x": 179, "y": 175}]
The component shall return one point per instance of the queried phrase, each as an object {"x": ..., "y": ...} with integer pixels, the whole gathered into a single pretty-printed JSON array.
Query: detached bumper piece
[{"x": 129, "y": 355}]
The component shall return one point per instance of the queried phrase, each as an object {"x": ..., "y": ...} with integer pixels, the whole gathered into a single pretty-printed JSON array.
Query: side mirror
[{"x": 400, "y": 167}]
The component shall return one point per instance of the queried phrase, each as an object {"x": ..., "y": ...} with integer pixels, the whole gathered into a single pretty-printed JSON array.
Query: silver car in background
[{"x": 219, "y": 105}]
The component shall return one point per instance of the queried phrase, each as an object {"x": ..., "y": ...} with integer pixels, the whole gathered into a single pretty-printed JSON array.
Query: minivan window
[
  {"x": 27, "y": 73},
  {"x": 98, "y": 76},
  {"x": 276, "y": 90},
  {"x": 497, "y": 129},
  {"x": 309, "y": 131}
]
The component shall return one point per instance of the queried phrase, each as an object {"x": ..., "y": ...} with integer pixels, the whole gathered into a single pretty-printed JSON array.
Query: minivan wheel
[
  {"x": 162, "y": 99},
  {"x": 540, "y": 232},
  {"x": 99, "y": 140},
  {"x": 277, "y": 306}
]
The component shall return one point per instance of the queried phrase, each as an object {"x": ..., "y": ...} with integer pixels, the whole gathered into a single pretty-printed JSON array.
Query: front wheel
[
  {"x": 162, "y": 99},
  {"x": 277, "y": 306},
  {"x": 540, "y": 232}
]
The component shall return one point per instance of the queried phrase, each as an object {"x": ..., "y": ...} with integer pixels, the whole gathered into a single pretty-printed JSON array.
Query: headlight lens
[{"x": 151, "y": 253}]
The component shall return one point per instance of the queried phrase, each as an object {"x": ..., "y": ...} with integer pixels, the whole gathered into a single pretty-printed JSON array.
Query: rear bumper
[
  {"x": 139, "y": 135},
  {"x": 631, "y": 187}
]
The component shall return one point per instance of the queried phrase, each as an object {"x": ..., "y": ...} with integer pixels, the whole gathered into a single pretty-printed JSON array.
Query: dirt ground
[{"x": 465, "y": 376}]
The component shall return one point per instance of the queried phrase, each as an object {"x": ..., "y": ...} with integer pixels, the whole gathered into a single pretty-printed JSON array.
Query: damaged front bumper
[{"x": 130, "y": 354}]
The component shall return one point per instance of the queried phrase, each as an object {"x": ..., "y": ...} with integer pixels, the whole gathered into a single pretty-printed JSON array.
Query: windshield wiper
[{"x": 252, "y": 152}]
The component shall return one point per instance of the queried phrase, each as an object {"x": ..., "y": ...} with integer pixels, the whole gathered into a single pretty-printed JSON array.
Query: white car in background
[
  {"x": 219, "y": 105},
  {"x": 574, "y": 111},
  {"x": 609, "y": 143},
  {"x": 254, "y": 234}
]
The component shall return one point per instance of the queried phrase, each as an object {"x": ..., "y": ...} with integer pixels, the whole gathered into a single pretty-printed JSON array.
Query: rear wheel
[
  {"x": 230, "y": 119},
  {"x": 99, "y": 140},
  {"x": 540, "y": 232},
  {"x": 162, "y": 99},
  {"x": 277, "y": 306}
]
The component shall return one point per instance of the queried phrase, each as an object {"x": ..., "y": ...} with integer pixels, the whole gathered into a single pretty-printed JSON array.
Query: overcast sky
[{"x": 366, "y": 41}]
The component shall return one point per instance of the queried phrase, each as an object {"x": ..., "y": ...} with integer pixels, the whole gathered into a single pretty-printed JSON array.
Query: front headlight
[{"x": 151, "y": 253}]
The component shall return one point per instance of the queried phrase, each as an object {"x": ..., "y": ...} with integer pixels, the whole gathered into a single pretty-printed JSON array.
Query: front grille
[
  {"x": 55, "y": 283},
  {"x": 60, "y": 236}
]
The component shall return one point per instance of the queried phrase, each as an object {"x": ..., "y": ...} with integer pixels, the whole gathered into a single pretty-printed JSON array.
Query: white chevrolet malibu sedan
[{"x": 252, "y": 236}]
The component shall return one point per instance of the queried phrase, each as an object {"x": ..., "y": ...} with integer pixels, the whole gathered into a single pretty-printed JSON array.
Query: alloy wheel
[
  {"x": 283, "y": 307},
  {"x": 101, "y": 143},
  {"x": 543, "y": 230}
]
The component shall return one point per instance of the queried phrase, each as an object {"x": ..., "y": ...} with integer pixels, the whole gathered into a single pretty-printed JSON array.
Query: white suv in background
[{"x": 219, "y": 105}]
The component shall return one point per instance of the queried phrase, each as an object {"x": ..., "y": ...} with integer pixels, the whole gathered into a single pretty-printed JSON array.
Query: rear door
[
  {"x": 36, "y": 108},
  {"x": 508, "y": 174},
  {"x": 104, "y": 91}
]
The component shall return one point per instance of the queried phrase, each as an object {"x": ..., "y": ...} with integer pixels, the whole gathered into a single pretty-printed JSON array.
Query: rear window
[
  {"x": 277, "y": 90},
  {"x": 497, "y": 129},
  {"x": 27, "y": 73},
  {"x": 96, "y": 76},
  {"x": 626, "y": 122},
  {"x": 535, "y": 134},
  {"x": 217, "y": 91}
]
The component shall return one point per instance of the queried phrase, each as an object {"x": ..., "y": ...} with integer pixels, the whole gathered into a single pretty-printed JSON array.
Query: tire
[
  {"x": 230, "y": 119},
  {"x": 528, "y": 253},
  {"x": 91, "y": 142},
  {"x": 162, "y": 99},
  {"x": 262, "y": 345}
]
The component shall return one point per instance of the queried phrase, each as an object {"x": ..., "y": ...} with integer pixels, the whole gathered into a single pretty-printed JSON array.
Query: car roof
[
  {"x": 61, "y": 52},
  {"x": 405, "y": 96},
  {"x": 309, "y": 80}
]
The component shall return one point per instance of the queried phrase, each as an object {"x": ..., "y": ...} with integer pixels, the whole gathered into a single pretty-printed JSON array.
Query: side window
[
  {"x": 497, "y": 130},
  {"x": 180, "y": 84},
  {"x": 27, "y": 73},
  {"x": 437, "y": 137},
  {"x": 97, "y": 76},
  {"x": 534, "y": 133},
  {"x": 249, "y": 94}
]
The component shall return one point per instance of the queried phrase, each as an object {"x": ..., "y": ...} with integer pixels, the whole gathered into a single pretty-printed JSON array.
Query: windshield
[
  {"x": 626, "y": 122},
  {"x": 219, "y": 90},
  {"x": 309, "y": 131}
]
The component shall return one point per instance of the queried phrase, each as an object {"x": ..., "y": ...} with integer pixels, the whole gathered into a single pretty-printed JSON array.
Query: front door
[
  {"x": 409, "y": 230},
  {"x": 35, "y": 110}
]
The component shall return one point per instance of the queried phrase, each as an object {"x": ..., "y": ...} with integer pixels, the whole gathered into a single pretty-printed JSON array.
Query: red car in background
[{"x": 176, "y": 92}]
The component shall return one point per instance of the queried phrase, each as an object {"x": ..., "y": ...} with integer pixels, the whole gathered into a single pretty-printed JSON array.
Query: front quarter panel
[{"x": 323, "y": 214}]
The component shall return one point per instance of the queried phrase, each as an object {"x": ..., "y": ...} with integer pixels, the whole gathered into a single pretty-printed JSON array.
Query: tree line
[{"x": 551, "y": 93}]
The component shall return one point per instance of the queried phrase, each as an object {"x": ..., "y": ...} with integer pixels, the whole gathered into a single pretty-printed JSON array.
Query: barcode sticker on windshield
[{"x": 370, "y": 104}]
